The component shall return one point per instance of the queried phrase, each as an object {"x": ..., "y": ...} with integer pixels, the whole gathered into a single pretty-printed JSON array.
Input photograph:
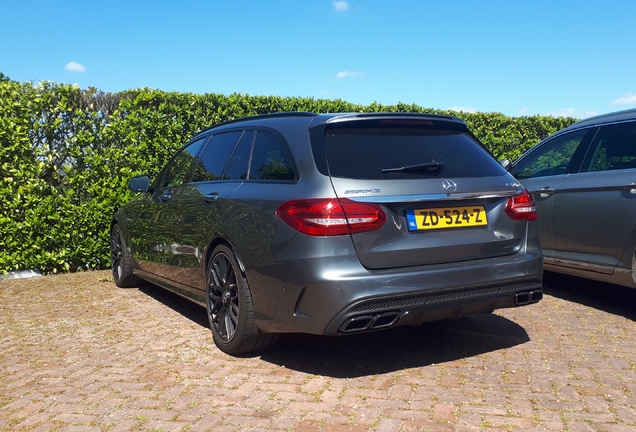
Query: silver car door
[
  {"x": 542, "y": 171},
  {"x": 595, "y": 210},
  {"x": 543, "y": 191}
]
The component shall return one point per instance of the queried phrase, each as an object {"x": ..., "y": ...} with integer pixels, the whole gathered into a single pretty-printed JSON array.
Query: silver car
[
  {"x": 331, "y": 224},
  {"x": 583, "y": 179}
]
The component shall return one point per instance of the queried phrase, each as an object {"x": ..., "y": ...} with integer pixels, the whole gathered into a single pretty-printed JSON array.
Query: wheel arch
[
  {"x": 113, "y": 222},
  {"x": 207, "y": 254}
]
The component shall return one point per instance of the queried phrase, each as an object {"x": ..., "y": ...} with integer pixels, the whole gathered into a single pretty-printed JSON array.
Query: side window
[
  {"x": 552, "y": 158},
  {"x": 613, "y": 148},
  {"x": 271, "y": 159},
  {"x": 215, "y": 157},
  {"x": 237, "y": 168},
  {"x": 180, "y": 167}
]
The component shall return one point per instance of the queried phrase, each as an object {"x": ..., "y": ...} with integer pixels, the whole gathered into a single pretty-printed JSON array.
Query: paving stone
[{"x": 99, "y": 358}]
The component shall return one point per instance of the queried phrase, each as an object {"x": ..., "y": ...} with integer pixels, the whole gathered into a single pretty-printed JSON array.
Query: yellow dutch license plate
[{"x": 446, "y": 217}]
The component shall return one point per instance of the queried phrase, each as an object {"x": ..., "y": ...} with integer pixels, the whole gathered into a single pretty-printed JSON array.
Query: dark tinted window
[
  {"x": 552, "y": 158},
  {"x": 215, "y": 156},
  {"x": 237, "y": 169},
  {"x": 179, "y": 169},
  {"x": 271, "y": 159},
  {"x": 363, "y": 153},
  {"x": 613, "y": 148}
]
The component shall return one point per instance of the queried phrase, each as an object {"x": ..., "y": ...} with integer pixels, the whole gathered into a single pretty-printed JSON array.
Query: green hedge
[{"x": 66, "y": 154}]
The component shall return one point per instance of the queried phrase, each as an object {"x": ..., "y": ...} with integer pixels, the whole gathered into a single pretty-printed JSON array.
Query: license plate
[{"x": 446, "y": 217}]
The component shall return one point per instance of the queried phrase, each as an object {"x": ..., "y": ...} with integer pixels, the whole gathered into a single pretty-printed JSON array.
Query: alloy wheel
[
  {"x": 222, "y": 297},
  {"x": 116, "y": 252}
]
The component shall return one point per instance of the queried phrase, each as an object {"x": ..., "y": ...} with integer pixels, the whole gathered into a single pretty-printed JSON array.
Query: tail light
[
  {"x": 521, "y": 207},
  {"x": 331, "y": 216}
]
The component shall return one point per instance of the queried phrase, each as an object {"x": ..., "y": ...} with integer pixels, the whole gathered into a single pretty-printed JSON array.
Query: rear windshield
[{"x": 381, "y": 152}]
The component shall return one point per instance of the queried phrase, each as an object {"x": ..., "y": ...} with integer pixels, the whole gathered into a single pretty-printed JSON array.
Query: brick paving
[{"x": 79, "y": 354}]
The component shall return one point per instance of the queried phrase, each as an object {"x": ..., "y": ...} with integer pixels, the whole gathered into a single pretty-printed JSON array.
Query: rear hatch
[{"x": 443, "y": 194}]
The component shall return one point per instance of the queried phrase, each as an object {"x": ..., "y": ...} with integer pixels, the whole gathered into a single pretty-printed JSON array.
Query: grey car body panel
[
  {"x": 301, "y": 283},
  {"x": 582, "y": 204},
  {"x": 309, "y": 284},
  {"x": 587, "y": 220}
]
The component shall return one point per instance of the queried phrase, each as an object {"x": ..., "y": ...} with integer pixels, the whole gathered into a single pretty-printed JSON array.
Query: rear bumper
[
  {"x": 380, "y": 313},
  {"x": 337, "y": 295}
]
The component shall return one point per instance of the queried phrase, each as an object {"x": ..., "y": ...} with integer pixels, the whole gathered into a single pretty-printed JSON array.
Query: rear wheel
[
  {"x": 121, "y": 261},
  {"x": 230, "y": 307}
]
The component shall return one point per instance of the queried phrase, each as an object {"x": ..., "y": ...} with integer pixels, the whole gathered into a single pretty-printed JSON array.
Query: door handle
[
  {"x": 631, "y": 188},
  {"x": 165, "y": 197},
  {"x": 211, "y": 197},
  {"x": 545, "y": 192}
]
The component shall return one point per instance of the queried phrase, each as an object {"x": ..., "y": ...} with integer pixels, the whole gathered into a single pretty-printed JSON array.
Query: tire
[
  {"x": 230, "y": 308},
  {"x": 121, "y": 261}
]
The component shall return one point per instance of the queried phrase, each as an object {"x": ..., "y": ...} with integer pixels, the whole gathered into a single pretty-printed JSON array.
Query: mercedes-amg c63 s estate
[{"x": 331, "y": 224}]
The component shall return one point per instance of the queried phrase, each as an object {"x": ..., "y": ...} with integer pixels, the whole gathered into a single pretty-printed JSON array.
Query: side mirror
[
  {"x": 506, "y": 164},
  {"x": 139, "y": 183}
]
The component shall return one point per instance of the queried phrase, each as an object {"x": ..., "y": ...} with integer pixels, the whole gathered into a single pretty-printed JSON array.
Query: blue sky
[{"x": 556, "y": 57}]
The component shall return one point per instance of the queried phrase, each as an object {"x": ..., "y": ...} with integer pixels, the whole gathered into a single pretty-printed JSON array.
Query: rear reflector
[
  {"x": 331, "y": 216},
  {"x": 521, "y": 207}
]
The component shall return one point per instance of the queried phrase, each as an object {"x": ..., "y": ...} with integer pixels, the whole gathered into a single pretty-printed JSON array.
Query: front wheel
[
  {"x": 121, "y": 260},
  {"x": 229, "y": 306}
]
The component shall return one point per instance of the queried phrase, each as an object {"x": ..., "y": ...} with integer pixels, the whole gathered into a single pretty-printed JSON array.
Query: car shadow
[
  {"x": 399, "y": 348},
  {"x": 357, "y": 355},
  {"x": 614, "y": 299},
  {"x": 185, "y": 307}
]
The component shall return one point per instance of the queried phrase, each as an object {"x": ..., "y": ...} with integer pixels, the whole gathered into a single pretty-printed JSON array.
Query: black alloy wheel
[
  {"x": 223, "y": 300},
  {"x": 121, "y": 261}
]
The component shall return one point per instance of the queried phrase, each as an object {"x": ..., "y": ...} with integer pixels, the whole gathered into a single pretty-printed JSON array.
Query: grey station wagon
[
  {"x": 583, "y": 179},
  {"x": 331, "y": 224}
]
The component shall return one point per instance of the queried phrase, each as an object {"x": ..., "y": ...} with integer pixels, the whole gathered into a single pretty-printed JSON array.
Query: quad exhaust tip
[
  {"x": 527, "y": 297},
  {"x": 387, "y": 319},
  {"x": 370, "y": 322}
]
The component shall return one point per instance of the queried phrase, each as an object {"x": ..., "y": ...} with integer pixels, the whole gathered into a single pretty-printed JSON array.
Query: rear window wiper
[{"x": 425, "y": 167}]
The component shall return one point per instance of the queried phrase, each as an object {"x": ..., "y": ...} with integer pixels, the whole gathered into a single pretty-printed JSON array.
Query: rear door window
[
  {"x": 215, "y": 156},
  {"x": 239, "y": 163},
  {"x": 378, "y": 153}
]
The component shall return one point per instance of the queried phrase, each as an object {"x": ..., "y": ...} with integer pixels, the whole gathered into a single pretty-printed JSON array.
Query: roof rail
[{"x": 261, "y": 116}]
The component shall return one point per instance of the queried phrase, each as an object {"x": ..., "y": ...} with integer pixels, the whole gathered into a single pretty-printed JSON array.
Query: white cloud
[
  {"x": 463, "y": 109},
  {"x": 75, "y": 67},
  {"x": 571, "y": 112},
  {"x": 340, "y": 5},
  {"x": 626, "y": 99},
  {"x": 345, "y": 74},
  {"x": 523, "y": 111}
]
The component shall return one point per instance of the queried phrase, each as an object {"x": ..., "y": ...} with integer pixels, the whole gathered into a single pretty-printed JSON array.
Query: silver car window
[
  {"x": 550, "y": 158},
  {"x": 614, "y": 148}
]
